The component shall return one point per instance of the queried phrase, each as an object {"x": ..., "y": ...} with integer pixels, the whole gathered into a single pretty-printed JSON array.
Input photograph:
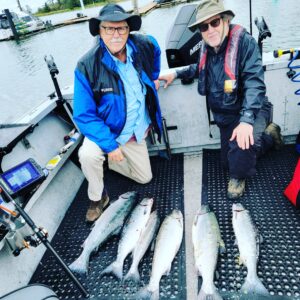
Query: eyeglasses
[
  {"x": 214, "y": 23},
  {"x": 111, "y": 30}
]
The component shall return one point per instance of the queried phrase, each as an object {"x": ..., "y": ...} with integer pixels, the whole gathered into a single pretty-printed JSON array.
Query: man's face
[
  {"x": 217, "y": 29},
  {"x": 114, "y": 40}
]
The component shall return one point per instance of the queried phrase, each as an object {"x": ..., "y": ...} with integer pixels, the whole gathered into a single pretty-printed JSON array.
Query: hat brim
[
  {"x": 134, "y": 22},
  {"x": 194, "y": 26}
]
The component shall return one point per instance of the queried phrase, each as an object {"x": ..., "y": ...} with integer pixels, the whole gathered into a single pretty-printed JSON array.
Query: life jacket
[
  {"x": 292, "y": 191},
  {"x": 230, "y": 62}
]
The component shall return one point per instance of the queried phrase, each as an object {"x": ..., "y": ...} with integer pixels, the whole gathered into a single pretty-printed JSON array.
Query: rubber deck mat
[
  {"x": 167, "y": 189},
  {"x": 276, "y": 219}
]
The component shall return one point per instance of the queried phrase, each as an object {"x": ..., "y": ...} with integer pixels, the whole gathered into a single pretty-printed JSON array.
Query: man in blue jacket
[
  {"x": 116, "y": 102},
  {"x": 231, "y": 76}
]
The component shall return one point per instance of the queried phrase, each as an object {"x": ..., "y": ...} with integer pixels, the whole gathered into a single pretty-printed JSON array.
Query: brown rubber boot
[
  {"x": 236, "y": 188},
  {"x": 274, "y": 131},
  {"x": 96, "y": 208}
]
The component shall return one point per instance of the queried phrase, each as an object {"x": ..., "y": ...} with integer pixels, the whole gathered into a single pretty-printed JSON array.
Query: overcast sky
[{"x": 12, "y": 4}]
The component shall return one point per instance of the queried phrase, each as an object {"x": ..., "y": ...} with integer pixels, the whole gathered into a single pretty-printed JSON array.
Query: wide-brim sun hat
[
  {"x": 207, "y": 9},
  {"x": 114, "y": 13}
]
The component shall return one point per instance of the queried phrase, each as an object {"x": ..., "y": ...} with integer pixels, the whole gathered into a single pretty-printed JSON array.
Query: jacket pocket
[{"x": 229, "y": 98}]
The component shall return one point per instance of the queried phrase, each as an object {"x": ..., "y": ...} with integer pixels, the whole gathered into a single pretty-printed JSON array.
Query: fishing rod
[
  {"x": 42, "y": 236},
  {"x": 250, "y": 9},
  {"x": 54, "y": 72}
]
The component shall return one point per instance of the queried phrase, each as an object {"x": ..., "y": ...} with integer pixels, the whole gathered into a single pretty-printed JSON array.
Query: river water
[{"x": 24, "y": 77}]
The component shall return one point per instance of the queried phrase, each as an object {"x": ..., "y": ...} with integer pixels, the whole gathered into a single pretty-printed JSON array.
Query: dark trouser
[{"x": 242, "y": 163}]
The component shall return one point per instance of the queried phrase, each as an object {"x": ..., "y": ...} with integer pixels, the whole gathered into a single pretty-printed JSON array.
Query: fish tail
[
  {"x": 146, "y": 293},
  {"x": 116, "y": 268},
  {"x": 133, "y": 274},
  {"x": 80, "y": 265},
  {"x": 254, "y": 286},
  {"x": 214, "y": 296}
]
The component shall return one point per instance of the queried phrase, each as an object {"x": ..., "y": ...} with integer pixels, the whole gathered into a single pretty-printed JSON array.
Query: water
[{"x": 24, "y": 77}]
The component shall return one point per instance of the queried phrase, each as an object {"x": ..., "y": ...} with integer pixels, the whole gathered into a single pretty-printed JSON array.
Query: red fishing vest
[
  {"x": 292, "y": 192},
  {"x": 230, "y": 63}
]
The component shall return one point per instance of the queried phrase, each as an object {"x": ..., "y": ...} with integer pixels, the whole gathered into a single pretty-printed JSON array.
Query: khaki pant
[{"x": 135, "y": 165}]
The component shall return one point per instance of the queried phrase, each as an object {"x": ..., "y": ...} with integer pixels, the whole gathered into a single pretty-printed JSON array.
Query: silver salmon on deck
[
  {"x": 130, "y": 236},
  {"x": 247, "y": 241},
  {"x": 207, "y": 242},
  {"x": 110, "y": 223}
]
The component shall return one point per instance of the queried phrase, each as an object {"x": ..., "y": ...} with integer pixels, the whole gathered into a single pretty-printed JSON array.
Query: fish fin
[
  {"x": 240, "y": 260},
  {"x": 260, "y": 238},
  {"x": 222, "y": 248},
  {"x": 80, "y": 265},
  {"x": 133, "y": 274},
  {"x": 116, "y": 268},
  {"x": 254, "y": 286},
  {"x": 116, "y": 231},
  {"x": 145, "y": 293},
  {"x": 168, "y": 270},
  {"x": 195, "y": 220},
  {"x": 203, "y": 296},
  {"x": 96, "y": 249},
  {"x": 153, "y": 245},
  {"x": 198, "y": 271},
  {"x": 257, "y": 250}
]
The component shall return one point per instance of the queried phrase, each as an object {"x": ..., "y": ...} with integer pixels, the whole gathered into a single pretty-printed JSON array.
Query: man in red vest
[{"x": 231, "y": 76}]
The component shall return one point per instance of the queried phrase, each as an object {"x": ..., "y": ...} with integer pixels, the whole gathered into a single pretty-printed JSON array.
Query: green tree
[
  {"x": 46, "y": 7},
  {"x": 72, "y": 3}
]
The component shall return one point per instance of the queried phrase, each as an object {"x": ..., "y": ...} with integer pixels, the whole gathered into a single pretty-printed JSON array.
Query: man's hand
[
  {"x": 156, "y": 83},
  {"x": 243, "y": 134},
  {"x": 169, "y": 78},
  {"x": 116, "y": 155}
]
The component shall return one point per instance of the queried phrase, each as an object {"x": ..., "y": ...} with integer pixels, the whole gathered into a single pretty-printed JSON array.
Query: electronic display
[{"x": 25, "y": 175}]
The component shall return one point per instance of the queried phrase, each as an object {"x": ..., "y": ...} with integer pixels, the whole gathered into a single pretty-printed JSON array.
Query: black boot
[
  {"x": 236, "y": 188},
  {"x": 274, "y": 131}
]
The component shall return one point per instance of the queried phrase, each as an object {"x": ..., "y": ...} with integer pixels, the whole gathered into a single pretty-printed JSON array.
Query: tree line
[{"x": 52, "y": 5}]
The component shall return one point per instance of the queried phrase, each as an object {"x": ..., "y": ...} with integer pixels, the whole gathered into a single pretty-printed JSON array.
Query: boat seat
[{"x": 32, "y": 292}]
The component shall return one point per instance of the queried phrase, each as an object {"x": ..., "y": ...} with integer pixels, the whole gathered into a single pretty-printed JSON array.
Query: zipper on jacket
[
  {"x": 118, "y": 79},
  {"x": 125, "y": 105}
]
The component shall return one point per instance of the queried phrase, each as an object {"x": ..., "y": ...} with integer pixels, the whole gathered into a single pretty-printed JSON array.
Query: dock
[{"x": 144, "y": 10}]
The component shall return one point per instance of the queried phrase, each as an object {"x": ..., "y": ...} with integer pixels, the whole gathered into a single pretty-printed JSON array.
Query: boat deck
[
  {"x": 167, "y": 190},
  {"x": 180, "y": 178},
  {"x": 276, "y": 219}
]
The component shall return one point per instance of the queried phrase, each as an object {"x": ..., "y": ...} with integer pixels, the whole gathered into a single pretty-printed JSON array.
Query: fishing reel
[
  {"x": 263, "y": 29},
  {"x": 263, "y": 32},
  {"x": 17, "y": 234},
  {"x": 22, "y": 238}
]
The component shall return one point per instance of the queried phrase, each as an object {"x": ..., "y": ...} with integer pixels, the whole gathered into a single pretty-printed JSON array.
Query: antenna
[{"x": 19, "y": 5}]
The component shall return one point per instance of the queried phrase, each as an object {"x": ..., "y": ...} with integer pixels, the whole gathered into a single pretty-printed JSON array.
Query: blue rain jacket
[{"x": 99, "y": 108}]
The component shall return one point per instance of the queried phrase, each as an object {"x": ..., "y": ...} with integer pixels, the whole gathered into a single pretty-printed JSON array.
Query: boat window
[
  {"x": 27, "y": 19},
  {"x": 4, "y": 24}
]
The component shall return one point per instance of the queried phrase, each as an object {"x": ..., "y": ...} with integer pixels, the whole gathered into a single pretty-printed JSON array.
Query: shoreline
[{"x": 54, "y": 12}]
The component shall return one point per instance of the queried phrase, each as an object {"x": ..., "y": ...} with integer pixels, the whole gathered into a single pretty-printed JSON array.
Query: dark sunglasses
[{"x": 214, "y": 23}]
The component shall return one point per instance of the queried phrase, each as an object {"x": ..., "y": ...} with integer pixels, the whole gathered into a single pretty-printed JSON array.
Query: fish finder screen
[{"x": 21, "y": 176}]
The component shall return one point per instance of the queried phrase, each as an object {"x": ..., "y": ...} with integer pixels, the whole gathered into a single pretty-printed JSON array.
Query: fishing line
[{"x": 295, "y": 78}]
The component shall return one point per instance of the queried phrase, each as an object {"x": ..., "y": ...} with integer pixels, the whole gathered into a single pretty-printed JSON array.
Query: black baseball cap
[{"x": 114, "y": 13}]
